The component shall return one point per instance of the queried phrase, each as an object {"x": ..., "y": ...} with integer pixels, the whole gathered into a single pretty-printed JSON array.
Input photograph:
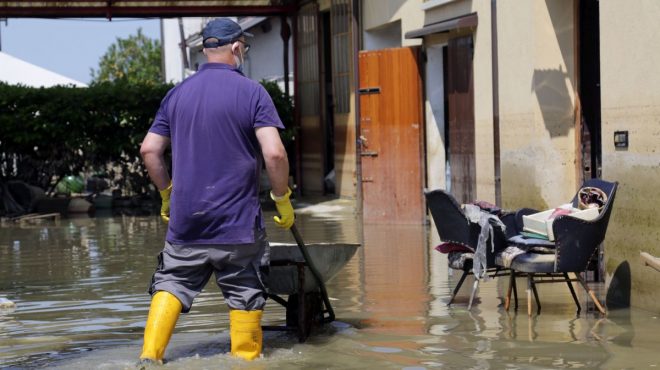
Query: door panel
[
  {"x": 460, "y": 92},
  {"x": 390, "y": 136}
]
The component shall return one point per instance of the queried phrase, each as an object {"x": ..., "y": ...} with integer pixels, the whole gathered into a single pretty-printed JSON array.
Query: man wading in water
[{"x": 219, "y": 124}]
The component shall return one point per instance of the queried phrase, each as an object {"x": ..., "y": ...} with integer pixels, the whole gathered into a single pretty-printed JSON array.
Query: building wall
[
  {"x": 171, "y": 39},
  {"x": 172, "y": 62},
  {"x": 388, "y": 36},
  {"x": 379, "y": 15},
  {"x": 483, "y": 107},
  {"x": 537, "y": 84},
  {"x": 630, "y": 88},
  {"x": 536, "y": 100},
  {"x": 345, "y": 153},
  {"x": 536, "y": 87},
  {"x": 434, "y": 110},
  {"x": 265, "y": 59}
]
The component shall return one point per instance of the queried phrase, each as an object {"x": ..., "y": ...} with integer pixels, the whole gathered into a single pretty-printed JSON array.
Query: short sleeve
[
  {"x": 265, "y": 113},
  {"x": 161, "y": 124}
]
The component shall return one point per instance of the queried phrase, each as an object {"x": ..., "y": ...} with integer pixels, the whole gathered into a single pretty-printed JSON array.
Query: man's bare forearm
[
  {"x": 278, "y": 174},
  {"x": 157, "y": 170},
  {"x": 152, "y": 151}
]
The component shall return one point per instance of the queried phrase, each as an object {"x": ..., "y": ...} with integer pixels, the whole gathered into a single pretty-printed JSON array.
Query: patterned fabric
[
  {"x": 506, "y": 257},
  {"x": 459, "y": 260},
  {"x": 533, "y": 245}
]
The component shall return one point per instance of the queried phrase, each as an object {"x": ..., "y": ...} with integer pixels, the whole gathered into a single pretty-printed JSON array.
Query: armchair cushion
[
  {"x": 531, "y": 262},
  {"x": 532, "y": 244}
]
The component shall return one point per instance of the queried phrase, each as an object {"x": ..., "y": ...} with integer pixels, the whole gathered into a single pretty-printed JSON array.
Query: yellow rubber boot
[
  {"x": 246, "y": 334},
  {"x": 163, "y": 314}
]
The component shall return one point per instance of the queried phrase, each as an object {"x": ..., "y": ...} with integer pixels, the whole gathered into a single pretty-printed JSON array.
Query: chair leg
[
  {"x": 515, "y": 292},
  {"x": 536, "y": 298},
  {"x": 570, "y": 287},
  {"x": 529, "y": 295},
  {"x": 474, "y": 292},
  {"x": 458, "y": 286},
  {"x": 507, "y": 300},
  {"x": 512, "y": 282},
  {"x": 591, "y": 294}
]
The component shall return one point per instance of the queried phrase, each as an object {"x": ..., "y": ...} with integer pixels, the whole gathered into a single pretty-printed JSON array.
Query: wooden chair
[
  {"x": 576, "y": 241},
  {"x": 454, "y": 227}
]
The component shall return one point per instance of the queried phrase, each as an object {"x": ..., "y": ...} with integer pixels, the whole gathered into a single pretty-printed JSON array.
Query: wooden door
[
  {"x": 391, "y": 136},
  {"x": 460, "y": 92}
]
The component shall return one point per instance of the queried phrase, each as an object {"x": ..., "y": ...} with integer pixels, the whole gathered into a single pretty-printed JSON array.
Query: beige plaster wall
[
  {"x": 630, "y": 94},
  {"x": 378, "y": 13},
  {"x": 434, "y": 114},
  {"x": 483, "y": 98},
  {"x": 345, "y": 154},
  {"x": 537, "y": 83}
]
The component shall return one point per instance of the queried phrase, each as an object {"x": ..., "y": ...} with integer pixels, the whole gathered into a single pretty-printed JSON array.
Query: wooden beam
[{"x": 51, "y": 10}]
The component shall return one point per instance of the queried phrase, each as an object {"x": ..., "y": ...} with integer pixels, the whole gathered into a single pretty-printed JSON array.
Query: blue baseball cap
[{"x": 223, "y": 29}]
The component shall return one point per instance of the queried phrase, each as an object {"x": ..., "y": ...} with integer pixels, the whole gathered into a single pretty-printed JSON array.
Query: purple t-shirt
[{"x": 211, "y": 119}]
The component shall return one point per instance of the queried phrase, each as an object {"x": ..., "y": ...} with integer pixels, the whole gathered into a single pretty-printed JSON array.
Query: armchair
[
  {"x": 576, "y": 241},
  {"x": 454, "y": 227}
]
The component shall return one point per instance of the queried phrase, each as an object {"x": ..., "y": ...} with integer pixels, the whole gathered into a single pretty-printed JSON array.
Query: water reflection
[{"x": 80, "y": 289}]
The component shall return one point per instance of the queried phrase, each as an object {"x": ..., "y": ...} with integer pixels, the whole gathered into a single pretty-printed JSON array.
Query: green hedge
[{"x": 47, "y": 133}]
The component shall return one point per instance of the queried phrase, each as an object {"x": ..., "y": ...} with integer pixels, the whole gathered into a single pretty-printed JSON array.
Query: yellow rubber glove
[
  {"x": 165, "y": 204},
  {"x": 284, "y": 208}
]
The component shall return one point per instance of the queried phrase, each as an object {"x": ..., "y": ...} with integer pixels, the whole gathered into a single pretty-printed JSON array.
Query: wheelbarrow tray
[{"x": 328, "y": 258}]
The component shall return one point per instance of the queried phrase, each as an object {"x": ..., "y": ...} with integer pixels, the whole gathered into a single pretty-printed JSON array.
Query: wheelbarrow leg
[
  {"x": 302, "y": 319},
  {"x": 315, "y": 273}
]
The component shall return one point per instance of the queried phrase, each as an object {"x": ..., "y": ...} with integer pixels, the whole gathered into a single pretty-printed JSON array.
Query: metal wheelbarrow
[{"x": 299, "y": 272}]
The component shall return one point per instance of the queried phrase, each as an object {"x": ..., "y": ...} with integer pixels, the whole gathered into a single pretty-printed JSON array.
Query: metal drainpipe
[
  {"x": 496, "y": 103},
  {"x": 182, "y": 46},
  {"x": 285, "y": 33},
  {"x": 296, "y": 105},
  {"x": 355, "y": 30}
]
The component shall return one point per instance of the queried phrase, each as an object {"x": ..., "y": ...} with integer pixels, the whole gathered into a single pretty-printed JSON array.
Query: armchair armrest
[{"x": 576, "y": 241}]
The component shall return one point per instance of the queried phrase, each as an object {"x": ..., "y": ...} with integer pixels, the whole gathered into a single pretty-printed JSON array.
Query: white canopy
[{"x": 19, "y": 72}]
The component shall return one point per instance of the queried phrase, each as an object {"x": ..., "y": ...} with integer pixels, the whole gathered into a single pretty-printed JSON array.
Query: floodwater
[{"x": 79, "y": 285}]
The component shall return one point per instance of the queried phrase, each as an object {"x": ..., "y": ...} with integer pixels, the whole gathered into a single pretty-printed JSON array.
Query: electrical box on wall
[{"x": 621, "y": 139}]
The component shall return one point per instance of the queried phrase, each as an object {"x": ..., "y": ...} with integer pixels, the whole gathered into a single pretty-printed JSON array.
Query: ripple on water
[{"x": 80, "y": 289}]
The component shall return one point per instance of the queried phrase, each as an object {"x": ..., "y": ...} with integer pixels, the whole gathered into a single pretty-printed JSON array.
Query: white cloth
[{"x": 486, "y": 221}]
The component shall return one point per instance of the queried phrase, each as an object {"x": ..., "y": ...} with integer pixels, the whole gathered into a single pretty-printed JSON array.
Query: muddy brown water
[{"x": 79, "y": 285}]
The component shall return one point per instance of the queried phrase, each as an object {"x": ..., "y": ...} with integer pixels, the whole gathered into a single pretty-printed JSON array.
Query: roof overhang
[
  {"x": 143, "y": 8},
  {"x": 458, "y": 23}
]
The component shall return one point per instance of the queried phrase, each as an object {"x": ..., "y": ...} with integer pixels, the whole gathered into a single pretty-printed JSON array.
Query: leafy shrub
[{"x": 48, "y": 133}]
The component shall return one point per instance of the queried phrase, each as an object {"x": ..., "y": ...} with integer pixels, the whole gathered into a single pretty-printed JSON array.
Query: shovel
[{"x": 315, "y": 272}]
